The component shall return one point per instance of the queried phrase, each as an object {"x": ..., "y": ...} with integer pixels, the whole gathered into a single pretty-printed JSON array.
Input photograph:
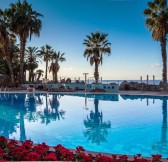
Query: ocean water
[
  {"x": 118, "y": 124},
  {"x": 120, "y": 81},
  {"x": 156, "y": 82}
]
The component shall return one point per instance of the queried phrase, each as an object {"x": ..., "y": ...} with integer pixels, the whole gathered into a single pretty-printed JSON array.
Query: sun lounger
[
  {"x": 2, "y": 89},
  {"x": 31, "y": 88},
  {"x": 6, "y": 89}
]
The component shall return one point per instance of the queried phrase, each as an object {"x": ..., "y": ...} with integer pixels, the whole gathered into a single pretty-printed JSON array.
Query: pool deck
[{"x": 148, "y": 93}]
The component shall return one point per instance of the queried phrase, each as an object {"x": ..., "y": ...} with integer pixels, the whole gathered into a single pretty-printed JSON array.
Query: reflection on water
[
  {"x": 25, "y": 106},
  {"x": 162, "y": 145},
  {"x": 96, "y": 129},
  {"x": 122, "y": 124}
]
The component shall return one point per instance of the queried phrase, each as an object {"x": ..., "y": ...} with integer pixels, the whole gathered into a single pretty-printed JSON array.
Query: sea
[{"x": 156, "y": 82}]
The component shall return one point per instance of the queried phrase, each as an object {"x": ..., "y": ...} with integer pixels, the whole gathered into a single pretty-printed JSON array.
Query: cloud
[{"x": 155, "y": 65}]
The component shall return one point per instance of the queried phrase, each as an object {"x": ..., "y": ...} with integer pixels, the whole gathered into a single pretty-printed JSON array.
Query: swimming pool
[{"x": 118, "y": 124}]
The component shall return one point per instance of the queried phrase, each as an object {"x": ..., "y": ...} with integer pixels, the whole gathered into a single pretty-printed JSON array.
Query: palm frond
[{"x": 96, "y": 45}]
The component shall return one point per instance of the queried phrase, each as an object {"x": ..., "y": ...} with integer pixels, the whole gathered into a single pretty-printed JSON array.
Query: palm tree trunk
[
  {"x": 46, "y": 69},
  {"x": 96, "y": 73},
  {"x": 29, "y": 76},
  {"x": 53, "y": 76},
  {"x": 9, "y": 66},
  {"x": 11, "y": 71},
  {"x": 22, "y": 50},
  {"x": 56, "y": 77},
  {"x": 56, "y": 71},
  {"x": 38, "y": 77},
  {"x": 164, "y": 59},
  {"x": 24, "y": 75},
  {"x": 34, "y": 77}
]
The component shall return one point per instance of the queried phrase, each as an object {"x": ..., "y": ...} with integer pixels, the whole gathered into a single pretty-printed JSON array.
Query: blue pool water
[{"x": 120, "y": 124}]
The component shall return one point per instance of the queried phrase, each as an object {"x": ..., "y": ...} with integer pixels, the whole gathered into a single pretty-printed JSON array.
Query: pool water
[{"x": 118, "y": 124}]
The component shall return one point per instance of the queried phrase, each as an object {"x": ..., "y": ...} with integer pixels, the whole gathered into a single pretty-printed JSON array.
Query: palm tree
[
  {"x": 2, "y": 65},
  {"x": 39, "y": 73},
  {"x": 32, "y": 63},
  {"x": 46, "y": 52},
  {"x": 54, "y": 67},
  {"x": 24, "y": 22},
  {"x": 157, "y": 23},
  {"x": 5, "y": 40},
  {"x": 96, "y": 45}
]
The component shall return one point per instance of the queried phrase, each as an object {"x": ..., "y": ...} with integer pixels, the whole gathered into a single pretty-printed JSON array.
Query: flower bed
[{"x": 11, "y": 150}]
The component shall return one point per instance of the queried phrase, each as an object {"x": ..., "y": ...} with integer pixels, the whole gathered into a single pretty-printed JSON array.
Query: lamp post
[
  {"x": 153, "y": 80},
  {"x": 141, "y": 79},
  {"x": 85, "y": 80},
  {"x": 147, "y": 80},
  {"x": 141, "y": 83}
]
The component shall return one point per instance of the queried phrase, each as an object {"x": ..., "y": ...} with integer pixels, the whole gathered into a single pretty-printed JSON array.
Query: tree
[
  {"x": 46, "y": 52},
  {"x": 2, "y": 66},
  {"x": 54, "y": 67},
  {"x": 5, "y": 41},
  {"x": 157, "y": 23},
  {"x": 32, "y": 62},
  {"x": 24, "y": 22},
  {"x": 96, "y": 46},
  {"x": 39, "y": 73}
]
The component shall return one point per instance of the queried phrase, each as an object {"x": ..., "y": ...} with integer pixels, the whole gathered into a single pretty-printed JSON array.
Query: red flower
[
  {"x": 45, "y": 146},
  {"x": 12, "y": 141},
  {"x": 40, "y": 149},
  {"x": 156, "y": 157},
  {"x": 63, "y": 153},
  {"x": 80, "y": 149},
  {"x": 139, "y": 155},
  {"x": 12, "y": 151},
  {"x": 3, "y": 142},
  {"x": 3, "y": 156},
  {"x": 101, "y": 158},
  {"x": 27, "y": 144},
  {"x": 114, "y": 157},
  {"x": 50, "y": 157},
  {"x": 32, "y": 156}
]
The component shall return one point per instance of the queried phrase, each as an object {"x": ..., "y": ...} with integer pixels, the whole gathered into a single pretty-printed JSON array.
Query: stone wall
[{"x": 138, "y": 86}]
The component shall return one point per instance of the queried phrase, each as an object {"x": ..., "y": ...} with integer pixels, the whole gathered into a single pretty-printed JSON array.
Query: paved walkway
[{"x": 79, "y": 92}]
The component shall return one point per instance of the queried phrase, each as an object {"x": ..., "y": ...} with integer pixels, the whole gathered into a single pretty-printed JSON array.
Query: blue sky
[{"x": 67, "y": 22}]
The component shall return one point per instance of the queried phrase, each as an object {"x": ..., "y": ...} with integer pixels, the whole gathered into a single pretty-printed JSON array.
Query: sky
[{"x": 67, "y": 22}]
